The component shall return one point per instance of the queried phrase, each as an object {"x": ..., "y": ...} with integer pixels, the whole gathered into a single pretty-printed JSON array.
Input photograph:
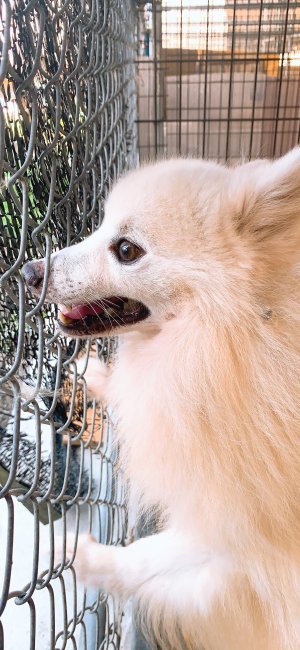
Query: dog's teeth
[
  {"x": 111, "y": 311},
  {"x": 125, "y": 307},
  {"x": 62, "y": 308},
  {"x": 129, "y": 306},
  {"x": 64, "y": 319}
]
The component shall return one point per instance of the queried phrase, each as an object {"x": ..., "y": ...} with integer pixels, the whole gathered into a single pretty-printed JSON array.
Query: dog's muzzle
[{"x": 33, "y": 274}]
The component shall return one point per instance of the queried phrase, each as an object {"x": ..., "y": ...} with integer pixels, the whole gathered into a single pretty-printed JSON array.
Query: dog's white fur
[{"x": 207, "y": 396}]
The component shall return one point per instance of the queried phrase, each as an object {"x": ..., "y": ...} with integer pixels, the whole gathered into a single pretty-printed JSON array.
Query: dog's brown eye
[{"x": 127, "y": 252}]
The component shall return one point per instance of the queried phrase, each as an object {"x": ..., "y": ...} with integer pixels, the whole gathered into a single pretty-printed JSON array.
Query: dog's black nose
[{"x": 33, "y": 273}]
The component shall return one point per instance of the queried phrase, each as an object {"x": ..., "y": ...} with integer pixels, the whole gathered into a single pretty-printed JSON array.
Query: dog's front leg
[
  {"x": 166, "y": 559},
  {"x": 182, "y": 593}
]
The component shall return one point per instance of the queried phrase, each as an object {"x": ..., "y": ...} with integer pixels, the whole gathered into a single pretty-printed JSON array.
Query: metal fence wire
[{"x": 67, "y": 131}]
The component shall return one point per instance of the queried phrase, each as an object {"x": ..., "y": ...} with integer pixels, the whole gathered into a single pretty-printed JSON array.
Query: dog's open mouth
[{"x": 100, "y": 317}]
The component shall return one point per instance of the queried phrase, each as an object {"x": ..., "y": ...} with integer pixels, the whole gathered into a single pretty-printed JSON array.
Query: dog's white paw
[
  {"x": 93, "y": 562},
  {"x": 86, "y": 559},
  {"x": 63, "y": 555}
]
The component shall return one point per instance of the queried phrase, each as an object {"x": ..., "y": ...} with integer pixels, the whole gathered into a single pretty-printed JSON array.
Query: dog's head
[{"x": 179, "y": 236}]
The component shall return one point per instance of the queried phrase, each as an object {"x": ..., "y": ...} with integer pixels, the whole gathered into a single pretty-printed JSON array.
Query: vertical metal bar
[
  {"x": 155, "y": 76},
  {"x": 245, "y": 69},
  {"x": 232, "y": 55},
  {"x": 255, "y": 78},
  {"x": 180, "y": 80},
  {"x": 280, "y": 77},
  {"x": 1, "y": 637},
  {"x": 32, "y": 611},
  {"x": 9, "y": 553},
  {"x": 205, "y": 80}
]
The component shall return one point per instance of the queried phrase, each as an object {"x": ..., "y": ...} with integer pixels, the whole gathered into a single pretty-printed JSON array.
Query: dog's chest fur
[{"x": 151, "y": 423}]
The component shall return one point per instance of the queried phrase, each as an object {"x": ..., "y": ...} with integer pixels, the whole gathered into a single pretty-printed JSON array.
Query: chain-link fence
[
  {"x": 219, "y": 79},
  {"x": 67, "y": 111}
]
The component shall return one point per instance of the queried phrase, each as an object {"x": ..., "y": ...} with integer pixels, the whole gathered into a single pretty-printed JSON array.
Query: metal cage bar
[{"x": 222, "y": 80}]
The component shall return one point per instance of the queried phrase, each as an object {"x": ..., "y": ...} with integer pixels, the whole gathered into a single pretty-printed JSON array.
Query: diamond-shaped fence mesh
[{"x": 67, "y": 111}]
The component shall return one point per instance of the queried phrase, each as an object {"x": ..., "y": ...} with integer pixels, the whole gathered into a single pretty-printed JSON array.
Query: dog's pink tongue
[{"x": 80, "y": 311}]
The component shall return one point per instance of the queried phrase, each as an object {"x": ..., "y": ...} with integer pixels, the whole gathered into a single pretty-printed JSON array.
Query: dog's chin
[{"x": 105, "y": 317}]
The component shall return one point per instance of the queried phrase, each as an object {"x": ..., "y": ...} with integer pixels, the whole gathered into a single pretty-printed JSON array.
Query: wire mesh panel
[
  {"x": 67, "y": 111},
  {"x": 219, "y": 79}
]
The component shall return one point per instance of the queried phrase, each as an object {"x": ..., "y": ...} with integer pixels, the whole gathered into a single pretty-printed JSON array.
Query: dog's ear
[{"x": 269, "y": 212}]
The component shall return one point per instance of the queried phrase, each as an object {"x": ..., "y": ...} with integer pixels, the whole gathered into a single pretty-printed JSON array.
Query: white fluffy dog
[{"x": 195, "y": 265}]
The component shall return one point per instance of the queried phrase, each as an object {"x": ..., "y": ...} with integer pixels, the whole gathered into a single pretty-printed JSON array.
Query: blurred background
[{"x": 218, "y": 79}]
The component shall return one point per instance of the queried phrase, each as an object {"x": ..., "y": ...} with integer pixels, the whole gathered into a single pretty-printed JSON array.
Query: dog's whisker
[{"x": 101, "y": 304}]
